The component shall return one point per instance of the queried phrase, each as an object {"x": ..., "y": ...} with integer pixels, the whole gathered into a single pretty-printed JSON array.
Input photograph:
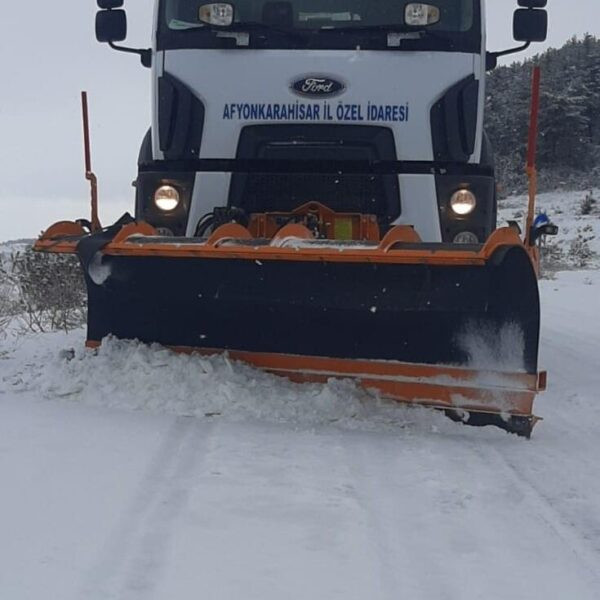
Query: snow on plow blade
[{"x": 447, "y": 326}]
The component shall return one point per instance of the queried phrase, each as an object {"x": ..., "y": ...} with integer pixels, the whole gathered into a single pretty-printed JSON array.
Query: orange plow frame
[
  {"x": 442, "y": 387},
  {"x": 64, "y": 236}
]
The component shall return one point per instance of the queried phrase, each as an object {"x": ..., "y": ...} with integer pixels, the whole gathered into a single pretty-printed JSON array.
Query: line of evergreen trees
[{"x": 569, "y": 142}]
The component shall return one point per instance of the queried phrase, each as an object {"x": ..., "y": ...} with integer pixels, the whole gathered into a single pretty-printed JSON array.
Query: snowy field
[
  {"x": 136, "y": 473},
  {"x": 578, "y": 242}
]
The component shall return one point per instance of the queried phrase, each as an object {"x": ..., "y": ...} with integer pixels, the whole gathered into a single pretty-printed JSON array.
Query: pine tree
[{"x": 569, "y": 146}]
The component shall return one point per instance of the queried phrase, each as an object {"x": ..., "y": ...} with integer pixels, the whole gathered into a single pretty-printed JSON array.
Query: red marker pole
[{"x": 532, "y": 151}]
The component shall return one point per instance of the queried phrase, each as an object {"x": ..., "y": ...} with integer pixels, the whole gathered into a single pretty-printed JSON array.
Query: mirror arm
[
  {"x": 144, "y": 54},
  {"x": 492, "y": 57},
  {"x": 512, "y": 50}
]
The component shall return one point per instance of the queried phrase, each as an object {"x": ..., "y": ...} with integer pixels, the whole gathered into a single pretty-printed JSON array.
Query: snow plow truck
[{"x": 316, "y": 197}]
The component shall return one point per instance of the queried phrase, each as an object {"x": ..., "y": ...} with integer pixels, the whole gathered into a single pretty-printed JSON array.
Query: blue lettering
[{"x": 315, "y": 112}]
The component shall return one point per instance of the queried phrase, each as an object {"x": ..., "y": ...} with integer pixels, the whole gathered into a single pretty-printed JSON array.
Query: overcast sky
[{"x": 48, "y": 53}]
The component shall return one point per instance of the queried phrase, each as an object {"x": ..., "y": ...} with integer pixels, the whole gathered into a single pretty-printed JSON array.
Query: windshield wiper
[
  {"x": 243, "y": 26},
  {"x": 251, "y": 26},
  {"x": 385, "y": 27},
  {"x": 254, "y": 26}
]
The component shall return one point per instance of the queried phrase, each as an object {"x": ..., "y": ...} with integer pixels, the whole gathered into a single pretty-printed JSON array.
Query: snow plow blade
[{"x": 447, "y": 326}]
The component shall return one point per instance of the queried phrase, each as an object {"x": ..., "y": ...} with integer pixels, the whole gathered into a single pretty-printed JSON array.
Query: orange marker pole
[{"x": 89, "y": 174}]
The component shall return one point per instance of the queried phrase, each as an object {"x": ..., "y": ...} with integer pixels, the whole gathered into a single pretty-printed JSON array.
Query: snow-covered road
[{"x": 137, "y": 474}]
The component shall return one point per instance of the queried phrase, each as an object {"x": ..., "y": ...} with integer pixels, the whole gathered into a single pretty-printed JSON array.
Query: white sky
[{"x": 48, "y": 53}]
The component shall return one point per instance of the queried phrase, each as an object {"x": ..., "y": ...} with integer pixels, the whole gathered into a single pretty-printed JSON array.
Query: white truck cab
[{"x": 372, "y": 107}]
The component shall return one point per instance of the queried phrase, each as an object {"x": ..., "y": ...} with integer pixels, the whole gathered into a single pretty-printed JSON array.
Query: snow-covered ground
[
  {"x": 578, "y": 243},
  {"x": 136, "y": 473}
]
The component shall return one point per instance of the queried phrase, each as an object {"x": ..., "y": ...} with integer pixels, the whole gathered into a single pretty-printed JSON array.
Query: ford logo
[{"x": 317, "y": 86}]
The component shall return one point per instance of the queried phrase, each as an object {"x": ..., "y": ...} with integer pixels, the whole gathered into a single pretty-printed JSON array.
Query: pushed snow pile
[{"x": 132, "y": 376}]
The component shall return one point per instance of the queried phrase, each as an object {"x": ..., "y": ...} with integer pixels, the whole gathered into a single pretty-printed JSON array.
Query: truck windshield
[
  {"x": 323, "y": 25},
  {"x": 456, "y": 15}
]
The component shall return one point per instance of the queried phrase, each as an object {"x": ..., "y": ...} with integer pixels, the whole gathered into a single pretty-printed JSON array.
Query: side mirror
[
  {"x": 530, "y": 25},
  {"x": 109, "y": 4},
  {"x": 111, "y": 25}
]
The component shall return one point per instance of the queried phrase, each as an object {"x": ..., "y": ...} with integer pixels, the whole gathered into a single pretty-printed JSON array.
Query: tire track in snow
[
  {"x": 377, "y": 535},
  {"x": 569, "y": 434},
  {"x": 149, "y": 559},
  {"x": 546, "y": 510},
  {"x": 405, "y": 569},
  {"x": 279, "y": 521},
  {"x": 425, "y": 505},
  {"x": 560, "y": 558},
  {"x": 124, "y": 563}
]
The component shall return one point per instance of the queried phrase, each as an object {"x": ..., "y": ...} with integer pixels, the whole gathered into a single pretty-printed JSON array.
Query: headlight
[
  {"x": 463, "y": 202},
  {"x": 166, "y": 198}
]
